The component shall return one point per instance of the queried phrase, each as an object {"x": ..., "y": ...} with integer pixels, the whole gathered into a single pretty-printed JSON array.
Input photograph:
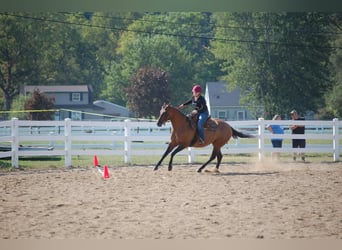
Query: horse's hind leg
[
  {"x": 212, "y": 157},
  {"x": 219, "y": 159},
  {"x": 168, "y": 150}
]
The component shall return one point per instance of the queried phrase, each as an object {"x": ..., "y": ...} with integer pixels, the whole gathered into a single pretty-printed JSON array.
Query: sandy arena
[{"x": 245, "y": 201}]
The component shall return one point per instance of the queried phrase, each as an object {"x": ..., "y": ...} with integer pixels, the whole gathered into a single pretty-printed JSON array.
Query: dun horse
[{"x": 184, "y": 134}]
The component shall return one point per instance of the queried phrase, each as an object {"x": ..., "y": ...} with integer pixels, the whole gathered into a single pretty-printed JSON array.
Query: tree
[
  {"x": 44, "y": 49},
  {"x": 333, "y": 98},
  {"x": 148, "y": 91},
  {"x": 279, "y": 60},
  {"x": 157, "y": 52},
  {"x": 68, "y": 55},
  {"x": 176, "y": 42},
  {"x": 53, "y": 48},
  {"x": 18, "y": 40},
  {"x": 39, "y": 101},
  {"x": 17, "y": 107}
]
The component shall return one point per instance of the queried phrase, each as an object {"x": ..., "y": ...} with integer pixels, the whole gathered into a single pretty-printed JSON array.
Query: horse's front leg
[
  {"x": 168, "y": 150},
  {"x": 179, "y": 148}
]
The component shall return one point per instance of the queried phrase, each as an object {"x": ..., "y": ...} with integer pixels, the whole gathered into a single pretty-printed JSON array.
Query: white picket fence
[{"x": 127, "y": 138}]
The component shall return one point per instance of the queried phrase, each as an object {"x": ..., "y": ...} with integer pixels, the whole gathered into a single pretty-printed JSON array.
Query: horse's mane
[
  {"x": 175, "y": 108},
  {"x": 186, "y": 117}
]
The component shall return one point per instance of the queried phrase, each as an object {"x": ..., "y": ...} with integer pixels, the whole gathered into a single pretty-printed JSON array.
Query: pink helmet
[{"x": 196, "y": 88}]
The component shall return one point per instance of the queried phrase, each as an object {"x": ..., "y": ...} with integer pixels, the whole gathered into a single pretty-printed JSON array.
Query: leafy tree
[
  {"x": 39, "y": 101},
  {"x": 158, "y": 52},
  {"x": 67, "y": 56},
  {"x": 334, "y": 97},
  {"x": 176, "y": 42},
  {"x": 148, "y": 91},
  {"x": 18, "y": 57},
  {"x": 45, "y": 49},
  {"x": 100, "y": 35},
  {"x": 279, "y": 60},
  {"x": 17, "y": 107}
]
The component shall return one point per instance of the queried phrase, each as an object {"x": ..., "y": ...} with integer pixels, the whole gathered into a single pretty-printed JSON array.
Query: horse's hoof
[
  {"x": 199, "y": 170},
  {"x": 215, "y": 171},
  {"x": 155, "y": 168}
]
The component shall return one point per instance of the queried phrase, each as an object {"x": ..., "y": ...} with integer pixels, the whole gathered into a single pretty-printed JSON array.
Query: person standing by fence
[
  {"x": 297, "y": 129},
  {"x": 276, "y": 142}
]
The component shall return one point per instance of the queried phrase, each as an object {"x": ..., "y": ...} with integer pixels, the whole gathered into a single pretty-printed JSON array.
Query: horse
[{"x": 184, "y": 134}]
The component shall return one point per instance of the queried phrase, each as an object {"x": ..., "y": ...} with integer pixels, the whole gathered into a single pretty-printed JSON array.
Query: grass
[
  {"x": 56, "y": 162},
  {"x": 40, "y": 162}
]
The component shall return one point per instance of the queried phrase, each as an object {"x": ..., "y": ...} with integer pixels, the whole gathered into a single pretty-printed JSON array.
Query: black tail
[{"x": 237, "y": 134}]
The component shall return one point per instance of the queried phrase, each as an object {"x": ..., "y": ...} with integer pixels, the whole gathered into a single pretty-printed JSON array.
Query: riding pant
[{"x": 202, "y": 117}]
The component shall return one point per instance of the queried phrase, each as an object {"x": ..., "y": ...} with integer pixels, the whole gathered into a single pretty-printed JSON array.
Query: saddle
[{"x": 209, "y": 123}]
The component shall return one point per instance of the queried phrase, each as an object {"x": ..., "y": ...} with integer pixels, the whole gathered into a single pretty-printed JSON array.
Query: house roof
[
  {"x": 219, "y": 95},
  {"x": 57, "y": 88},
  {"x": 110, "y": 108}
]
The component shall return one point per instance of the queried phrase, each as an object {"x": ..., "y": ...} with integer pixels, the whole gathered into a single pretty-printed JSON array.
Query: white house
[
  {"x": 76, "y": 102},
  {"x": 226, "y": 104}
]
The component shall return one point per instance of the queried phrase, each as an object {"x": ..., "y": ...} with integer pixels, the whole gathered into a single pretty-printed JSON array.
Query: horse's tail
[{"x": 240, "y": 134}]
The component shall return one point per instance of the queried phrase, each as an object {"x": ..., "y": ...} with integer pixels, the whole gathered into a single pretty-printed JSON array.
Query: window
[
  {"x": 76, "y": 97},
  {"x": 222, "y": 115},
  {"x": 76, "y": 116},
  {"x": 241, "y": 115}
]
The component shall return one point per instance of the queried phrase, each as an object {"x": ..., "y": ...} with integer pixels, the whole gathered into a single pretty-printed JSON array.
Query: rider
[{"x": 201, "y": 109}]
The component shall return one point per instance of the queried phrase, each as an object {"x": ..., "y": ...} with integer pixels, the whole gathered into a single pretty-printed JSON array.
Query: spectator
[
  {"x": 276, "y": 142},
  {"x": 297, "y": 129}
]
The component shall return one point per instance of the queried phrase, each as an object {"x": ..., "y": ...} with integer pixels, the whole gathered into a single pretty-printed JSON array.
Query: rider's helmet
[{"x": 197, "y": 88}]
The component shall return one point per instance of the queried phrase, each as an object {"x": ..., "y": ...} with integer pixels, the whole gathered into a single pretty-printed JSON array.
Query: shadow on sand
[{"x": 241, "y": 173}]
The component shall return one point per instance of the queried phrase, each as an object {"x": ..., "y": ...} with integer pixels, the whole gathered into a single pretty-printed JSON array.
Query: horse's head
[{"x": 164, "y": 115}]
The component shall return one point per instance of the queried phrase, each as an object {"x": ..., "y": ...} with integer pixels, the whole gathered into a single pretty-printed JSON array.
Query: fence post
[
  {"x": 15, "y": 142},
  {"x": 191, "y": 157},
  {"x": 67, "y": 142},
  {"x": 127, "y": 141},
  {"x": 261, "y": 143},
  {"x": 336, "y": 148}
]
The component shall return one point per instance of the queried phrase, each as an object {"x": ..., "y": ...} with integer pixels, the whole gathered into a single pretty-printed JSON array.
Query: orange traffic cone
[
  {"x": 105, "y": 172},
  {"x": 96, "y": 162}
]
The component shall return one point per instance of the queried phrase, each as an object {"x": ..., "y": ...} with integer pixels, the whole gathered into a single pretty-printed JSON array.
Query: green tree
[
  {"x": 47, "y": 49},
  {"x": 279, "y": 60},
  {"x": 100, "y": 33},
  {"x": 67, "y": 56},
  {"x": 148, "y": 91},
  {"x": 177, "y": 42},
  {"x": 18, "y": 60},
  {"x": 39, "y": 101},
  {"x": 334, "y": 97},
  {"x": 17, "y": 107},
  {"x": 158, "y": 52}
]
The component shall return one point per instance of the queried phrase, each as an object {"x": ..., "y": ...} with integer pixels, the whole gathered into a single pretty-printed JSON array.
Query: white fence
[{"x": 128, "y": 138}]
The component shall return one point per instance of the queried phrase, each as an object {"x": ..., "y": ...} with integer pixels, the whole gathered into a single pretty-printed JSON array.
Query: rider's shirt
[{"x": 200, "y": 104}]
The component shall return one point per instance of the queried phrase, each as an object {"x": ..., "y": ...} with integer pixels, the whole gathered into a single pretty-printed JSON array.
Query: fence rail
[{"x": 127, "y": 138}]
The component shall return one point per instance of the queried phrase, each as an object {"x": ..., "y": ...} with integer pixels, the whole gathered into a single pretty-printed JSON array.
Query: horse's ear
[{"x": 164, "y": 106}]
